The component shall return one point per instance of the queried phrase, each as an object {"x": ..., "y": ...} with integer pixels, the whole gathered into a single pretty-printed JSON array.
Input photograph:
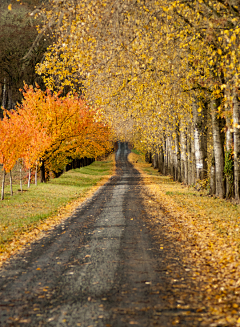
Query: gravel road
[{"x": 100, "y": 267}]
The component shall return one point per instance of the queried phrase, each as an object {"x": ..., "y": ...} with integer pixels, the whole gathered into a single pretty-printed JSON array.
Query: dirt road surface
[{"x": 101, "y": 267}]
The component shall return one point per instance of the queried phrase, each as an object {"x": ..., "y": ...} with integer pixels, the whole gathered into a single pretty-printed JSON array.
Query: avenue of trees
[
  {"x": 164, "y": 73},
  {"x": 169, "y": 69}
]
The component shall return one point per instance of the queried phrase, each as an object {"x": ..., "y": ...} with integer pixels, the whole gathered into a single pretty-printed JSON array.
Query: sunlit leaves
[{"x": 51, "y": 128}]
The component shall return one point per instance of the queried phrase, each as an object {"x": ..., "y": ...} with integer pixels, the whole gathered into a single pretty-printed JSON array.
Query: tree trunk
[
  {"x": 10, "y": 180},
  {"x": 193, "y": 158},
  {"x": 177, "y": 154},
  {"x": 29, "y": 177},
  {"x": 42, "y": 172},
  {"x": 3, "y": 184},
  {"x": 160, "y": 160},
  {"x": 36, "y": 171},
  {"x": 229, "y": 147},
  {"x": 218, "y": 142},
  {"x": 213, "y": 176},
  {"x": 21, "y": 187},
  {"x": 200, "y": 138},
  {"x": 189, "y": 163},
  {"x": 170, "y": 156},
  {"x": 236, "y": 128},
  {"x": 183, "y": 143},
  {"x": 4, "y": 96},
  {"x": 165, "y": 163}
]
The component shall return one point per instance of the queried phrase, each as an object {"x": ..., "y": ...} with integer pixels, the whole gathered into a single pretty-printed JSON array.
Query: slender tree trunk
[
  {"x": 4, "y": 96},
  {"x": 178, "y": 156},
  {"x": 36, "y": 171},
  {"x": 42, "y": 171},
  {"x": 236, "y": 127},
  {"x": 3, "y": 184},
  {"x": 229, "y": 148},
  {"x": 170, "y": 155},
  {"x": 10, "y": 180},
  {"x": 29, "y": 177},
  {"x": 183, "y": 140},
  {"x": 189, "y": 163},
  {"x": 193, "y": 158},
  {"x": 21, "y": 184},
  {"x": 218, "y": 142},
  {"x": 165, "y": 163},
  {"x": 213, "y": 176},
  {"x": 160, "y": 160},
  {"x": 200, "y": 138}
]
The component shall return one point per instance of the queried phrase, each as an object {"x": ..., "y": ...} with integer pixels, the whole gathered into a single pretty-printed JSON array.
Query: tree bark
[
  {"x": 160, "y": 160},
  {"x": 29, "y": 177},
  {"x": 218, "y": 143},
  {"x": 229, "y": 148},
  {"x": 213, "y": 176},
  {"x": 36, "y": 171},
  {"x": 177, "y": 155},
  {"x": 236, "y": 128},
  {"x": 10, "y": 180},
  {"x": 200, "y": 138},
  {"x": 189, "y": 162},
  {"x": 42, "y": 171},
  {"x": 193, "y": 158},
  {"x": 21, "y": 187},
  {"x": 4, "y": 96},
  {"x": 3, "y": 184},
  {"x": 183, "y": 146},
  {"x": 165, "y": 163}
]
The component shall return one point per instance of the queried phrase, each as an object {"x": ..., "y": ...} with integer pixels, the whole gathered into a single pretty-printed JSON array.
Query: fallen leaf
[{"x": 133, "y": 323}]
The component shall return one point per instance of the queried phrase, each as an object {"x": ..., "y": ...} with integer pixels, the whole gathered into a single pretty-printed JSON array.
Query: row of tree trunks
[
  {"x": 76, "y": 163},
  {"x": 184, "y": 156},
  {"x": 184, "y": 152}
]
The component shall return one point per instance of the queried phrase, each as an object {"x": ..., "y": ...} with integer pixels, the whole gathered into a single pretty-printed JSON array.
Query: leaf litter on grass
[{"x": 207, "y": 232}]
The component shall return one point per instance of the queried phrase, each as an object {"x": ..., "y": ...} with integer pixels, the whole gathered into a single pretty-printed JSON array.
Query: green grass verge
[
  {"x": 26, "y": 210},
  {"x": 136, "y": 151}
]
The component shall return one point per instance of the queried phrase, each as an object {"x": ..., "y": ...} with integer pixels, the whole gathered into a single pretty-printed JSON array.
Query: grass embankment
[
  {"x": 26, "y": 215},
  {"x": 207, "y": 229}
]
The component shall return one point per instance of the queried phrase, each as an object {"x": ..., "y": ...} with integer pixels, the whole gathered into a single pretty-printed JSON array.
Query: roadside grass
[
  {"x": 207, "y": 230},
  {"x": 24, "y": 212},
  {"x": 136, "y": 151},
  {"x": 224, "y": 215}
]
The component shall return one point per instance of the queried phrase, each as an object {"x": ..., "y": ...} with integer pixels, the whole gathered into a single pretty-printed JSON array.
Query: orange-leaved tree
[
  {"x": 73, "y": 129},
  {"x": 52, "y": 130}
]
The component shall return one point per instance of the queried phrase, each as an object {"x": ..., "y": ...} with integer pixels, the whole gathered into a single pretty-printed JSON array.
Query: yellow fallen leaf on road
[
  {"x": 38, "y": 269},
  {"x": 133, "y": 323}
]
